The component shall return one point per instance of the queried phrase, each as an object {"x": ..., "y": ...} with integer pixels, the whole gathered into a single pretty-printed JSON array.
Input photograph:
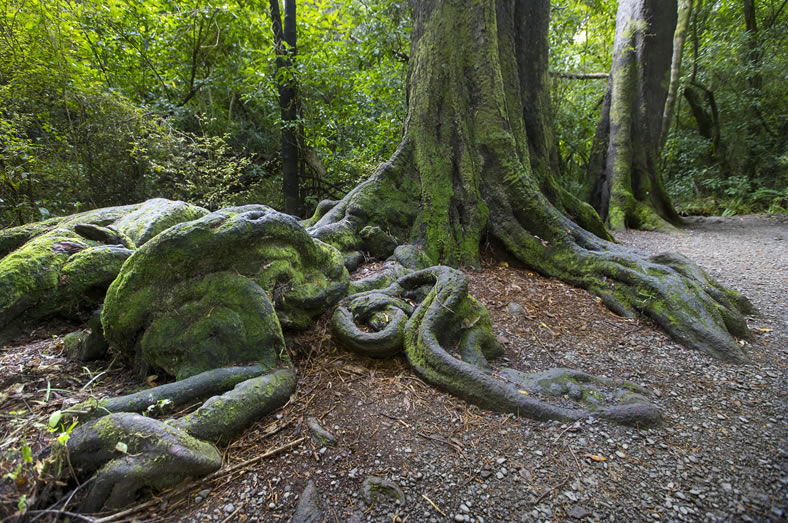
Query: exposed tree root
[
  {"x": 128, "y": 451},
  {"x": 448, "y": 340}
]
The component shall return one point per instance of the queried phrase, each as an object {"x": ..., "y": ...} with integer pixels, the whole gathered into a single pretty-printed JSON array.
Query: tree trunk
[
  {"x": 682, "y": 24},
  {"x": 285, "y": 42},
  {"x": 466, "y": 173},
  {"x": 708, "y": 123},
  {"x": 624, "y": 166}
]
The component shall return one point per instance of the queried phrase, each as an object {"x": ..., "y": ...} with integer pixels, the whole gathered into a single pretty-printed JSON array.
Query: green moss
[{"x": 209, "y": 285}]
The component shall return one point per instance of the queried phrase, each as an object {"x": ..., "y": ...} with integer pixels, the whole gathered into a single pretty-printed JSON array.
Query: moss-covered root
[
  {"x": 172, "y": 396},
  {"x": 129, "y": 452},
  {"x": 207, "y": 293},
  {"x": 64, "y": 266},
  {"x": 682, "y": 299},
  {"x": 444, "y": 318},
  {"x": 616, "y": 400},
  {"x": 383, "y": 318},
  {"x": 675, "y": 293},
  {"x": 223, "y": 417}
]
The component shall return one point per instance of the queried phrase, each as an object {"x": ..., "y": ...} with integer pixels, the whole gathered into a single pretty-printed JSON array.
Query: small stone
[
  {"x": 516, "y": 310},
  {"x": 579, "y": 512},
  {"x": 465, "y": 508},
  {"x": 229, "y": 508},
  {"x": 459, "y": 517}
]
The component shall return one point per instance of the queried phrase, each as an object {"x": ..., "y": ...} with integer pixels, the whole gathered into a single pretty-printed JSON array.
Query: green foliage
[
  {"x": 581, "y": 41},
  {"x": 103, "y": 103},
  {"x": 749, "y": 172}
]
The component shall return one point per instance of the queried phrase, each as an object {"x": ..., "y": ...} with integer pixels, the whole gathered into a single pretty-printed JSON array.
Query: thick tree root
[
  {"x": 668, "y": 288},
  {"x": 447, "y": 317},
  {"x": 171, "y": 396},
  {"x": 224, "y": 417},
  {"x": 128, "y": 451}
]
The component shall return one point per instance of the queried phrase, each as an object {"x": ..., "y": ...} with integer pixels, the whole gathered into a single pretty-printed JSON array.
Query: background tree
[
  {"x": 465, "y": 157},
  {"x": 116, "y": 103},
  {"x": 286, "y": 84},
  {"x": 625, "y": 161}
]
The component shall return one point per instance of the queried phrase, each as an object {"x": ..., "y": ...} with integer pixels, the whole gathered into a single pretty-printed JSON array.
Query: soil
[{"x": 719, "y": 455}]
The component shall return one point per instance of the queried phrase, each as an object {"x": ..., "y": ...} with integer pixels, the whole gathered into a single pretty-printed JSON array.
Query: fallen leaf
[
  {"x": 595, "y": 457},
  {"x": 523, "y": 392},
  {"x": 152, "y": 380}
]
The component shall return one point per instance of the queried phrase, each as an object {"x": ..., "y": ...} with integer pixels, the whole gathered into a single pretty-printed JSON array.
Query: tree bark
[
  {"x": 466, "y": 175},
  {"x": 682, "y": 24},
  {"x": 285, "y": 43},
  {"x": 624, "y": 164},
  {"x": 708, "y": 123}
]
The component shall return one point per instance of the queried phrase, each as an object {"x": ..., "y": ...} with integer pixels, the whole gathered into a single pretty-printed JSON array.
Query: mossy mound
[
  {"x": 64, "y": 266},
  {"x": 202, "y": 294}
]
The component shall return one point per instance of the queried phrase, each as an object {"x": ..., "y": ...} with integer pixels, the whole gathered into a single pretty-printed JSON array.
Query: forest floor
[{"x": 721, "y": 453}]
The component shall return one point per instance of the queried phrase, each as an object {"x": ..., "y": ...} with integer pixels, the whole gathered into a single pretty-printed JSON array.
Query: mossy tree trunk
[
  {"x": 679, "y": 36},
  {"x": 624, "y": 165},
  {"x": 473, "y": 168}
]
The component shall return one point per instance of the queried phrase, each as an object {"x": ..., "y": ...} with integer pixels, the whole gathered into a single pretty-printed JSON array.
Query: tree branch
[{"x": 579, "y": 76}]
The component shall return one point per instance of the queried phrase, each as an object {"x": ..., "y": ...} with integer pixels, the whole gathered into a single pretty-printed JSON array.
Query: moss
[
  {"x": 210, "y": 284},
  {"x": 61, "y": 271},
  {"x": 220, "y": 320},
  {"x": 14, "y": 237},
  {"x": 223, "y": 417},
  {"x": 155, "y": 216}
]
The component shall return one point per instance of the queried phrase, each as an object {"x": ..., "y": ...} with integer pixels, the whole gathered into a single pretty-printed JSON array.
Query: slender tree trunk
[
  {"x": 708, "y": 122},
  {"x": 285, "y": 41},
  {"x": 755, "y": 81},
  {"x": 624, "y": 166},
  {"x": 682, "y": 24},
  {"x": 466, "y": 174}
]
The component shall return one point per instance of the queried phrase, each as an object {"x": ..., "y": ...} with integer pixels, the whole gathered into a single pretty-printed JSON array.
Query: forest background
[{"x": 113, "y": 102}]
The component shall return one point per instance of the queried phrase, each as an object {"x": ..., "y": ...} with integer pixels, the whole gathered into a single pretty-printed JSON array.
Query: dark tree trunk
[
  {"x": 285, "y": 42},
  {"x": 708, "y": 121},
  {"x": 624, "y": 166},
  {"x": 466, "y": 173}
]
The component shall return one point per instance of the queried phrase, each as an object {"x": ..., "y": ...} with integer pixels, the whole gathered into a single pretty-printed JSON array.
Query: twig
[
  {"x": 228, "y": 518},
  {"x": 573, "y": 455},
  {"x": 540, "y": 498},
  {"x": 395, "y": 419},
  {"x": 563, "y": 432},
  {"x": 441, "y": 440},
  {"x": 442, "y": 513},
  {"x": 68, "y": 499},
  {"x": 63, "y": 513},
  {"x": 549, "y": 354}
]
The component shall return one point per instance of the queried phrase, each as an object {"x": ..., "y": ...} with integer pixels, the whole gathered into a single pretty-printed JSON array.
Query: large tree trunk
[
  {"x": 464, "y": 175},
  {"x": 624, "y": 163}
]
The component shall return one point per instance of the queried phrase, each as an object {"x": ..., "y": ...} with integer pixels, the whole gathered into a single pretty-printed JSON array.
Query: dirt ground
[{"x": 720, "y": 454}]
